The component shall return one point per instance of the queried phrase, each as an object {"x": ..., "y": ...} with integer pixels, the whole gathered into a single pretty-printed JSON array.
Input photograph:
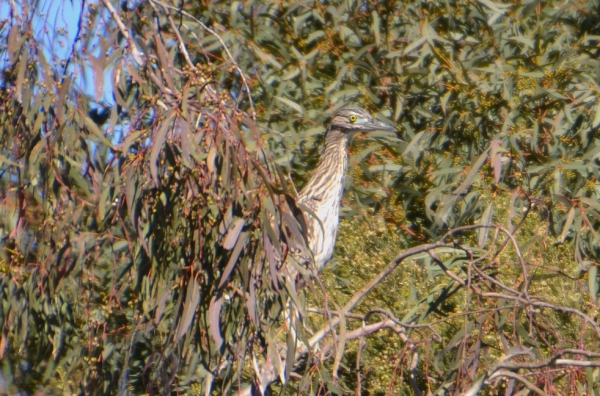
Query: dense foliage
[{"x": 143, "y": 231}]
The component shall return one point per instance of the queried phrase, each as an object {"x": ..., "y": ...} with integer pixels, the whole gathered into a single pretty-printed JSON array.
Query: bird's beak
[{"x": 377, "y": 125}]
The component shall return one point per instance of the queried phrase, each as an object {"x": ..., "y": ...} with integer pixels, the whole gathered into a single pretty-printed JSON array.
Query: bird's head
[{"x": 352, "y": 119}]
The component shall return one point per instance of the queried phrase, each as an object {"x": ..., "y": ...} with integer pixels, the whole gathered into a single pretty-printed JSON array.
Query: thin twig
[
  {"x": 137, "y": 55},
  {"x": 521, "y": 261},
  {"x": 522, "y": 297},
  {"x": 514, "y": 231},
  {"x": 268, "y": 374},
  {"x": 423, "y": 325},
  {"x": 361, "y": 345},
  {"x": 182, "y": 46},
  {"x": 504, "y": 366},
  {"x": 75, "y": 40},
  {"x": 235, "y": 64}
]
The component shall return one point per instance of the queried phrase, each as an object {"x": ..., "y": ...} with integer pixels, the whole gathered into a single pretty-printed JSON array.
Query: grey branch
[{"x": 135, "y": 52}]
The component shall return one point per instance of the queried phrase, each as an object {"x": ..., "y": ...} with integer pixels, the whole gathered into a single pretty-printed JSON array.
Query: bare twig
[
  {"x": 529, "y": 206},
  {"x": 545, "y": 363},
  {"x": 182, "y": 46},
  {"x": 267, "y": 373},
  {"x": 543, "y": 304},
  {"x": 209, "y": 30},
  {"x": 135, "y": 52},
  {"x": 388, "y": 270},
  {"x": 505, "y": 368},
  {"x": 75, "y": 40},
  {"x": 341, "y": 346},
  {"x": 521, "y": 261},
  {"x": 356, "y": 298},
  {"x": 404, "y": 338},
  {"x": 418, "y": 326},
  {"x": 520, "y": 299},
  {"x": 361, "y": 346}
]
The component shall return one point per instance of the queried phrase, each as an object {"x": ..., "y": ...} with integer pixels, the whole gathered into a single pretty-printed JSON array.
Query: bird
[
  {"x": 320, "y": 200},
  {"x": 323, "y": 192}
]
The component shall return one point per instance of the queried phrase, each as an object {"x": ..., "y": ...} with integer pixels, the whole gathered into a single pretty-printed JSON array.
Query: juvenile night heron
[{"x": 322, "y": 194}]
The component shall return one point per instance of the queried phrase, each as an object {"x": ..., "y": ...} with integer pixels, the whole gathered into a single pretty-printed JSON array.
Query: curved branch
[
  {"x": 268, "y": 374},
  {"x": 507, "y": 369},
  {"x": 520, "y": 378}
]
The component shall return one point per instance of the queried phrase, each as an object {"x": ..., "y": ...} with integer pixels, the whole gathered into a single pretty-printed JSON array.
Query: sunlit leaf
[{"x": 192, "y": 298}]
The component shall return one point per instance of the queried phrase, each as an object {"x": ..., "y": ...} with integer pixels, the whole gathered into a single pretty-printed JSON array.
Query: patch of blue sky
[{"x": 55, "y": 27}]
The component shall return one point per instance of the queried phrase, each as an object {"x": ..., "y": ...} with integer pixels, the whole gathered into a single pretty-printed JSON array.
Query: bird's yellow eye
[{"x": 353, "y": 118}]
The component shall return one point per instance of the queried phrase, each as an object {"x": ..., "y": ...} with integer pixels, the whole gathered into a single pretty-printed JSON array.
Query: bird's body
[
  {"x": 322, "y": 197},
  {"x": 322, "y": 194}
]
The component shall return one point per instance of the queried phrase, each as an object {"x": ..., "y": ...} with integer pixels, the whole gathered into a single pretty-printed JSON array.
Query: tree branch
[
  {"x": 209, "y": 30},
  {"x": 267, "y": 373},
  {"x": 506, "y": 368},
  {"x": 135, "y": 52},
  {"x": 520, "y": 378}
]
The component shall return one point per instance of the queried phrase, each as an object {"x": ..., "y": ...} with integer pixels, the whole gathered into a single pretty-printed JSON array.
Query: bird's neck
[{"x": 331, "y": 170}]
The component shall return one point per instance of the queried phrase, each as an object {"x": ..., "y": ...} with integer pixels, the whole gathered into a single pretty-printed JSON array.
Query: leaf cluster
[{"x": 143, "y": 234}]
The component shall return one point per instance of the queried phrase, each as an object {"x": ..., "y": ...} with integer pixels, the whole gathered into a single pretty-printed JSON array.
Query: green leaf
[
  {"x": 486, "y": 220},
  {"x": 290, "y": 103},
  {"x": 92, "y": 127},
  {"x": 233, "y": 258},
  {"x": 233, "y": 233},
  {"x": 214, "y": 314},
  {"x": 593, "y": 282},
  {"x": 567, "y": 226},
  {"x": 158, "y": 141},
  {"x": 192, "y": 298}
]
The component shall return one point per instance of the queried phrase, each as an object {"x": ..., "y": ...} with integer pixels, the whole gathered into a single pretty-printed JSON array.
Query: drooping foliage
[{"x": 147, "y": 186}]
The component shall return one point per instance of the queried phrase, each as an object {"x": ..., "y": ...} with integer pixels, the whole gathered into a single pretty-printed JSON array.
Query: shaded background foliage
[{"x": 140, "y": 234}]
